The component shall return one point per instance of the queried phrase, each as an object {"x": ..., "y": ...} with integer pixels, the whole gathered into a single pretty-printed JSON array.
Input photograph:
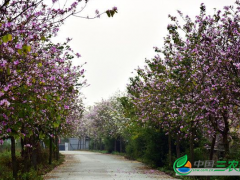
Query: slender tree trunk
[
  {"x": 226, "y": 144},
  {"x": 34, "y": 157},
  {"x": 22, "y": 142},
  {"x": 212, "y": 147},
  {"x": 100, "y": 141},
  {"x": 14, "y": 161},
  {"x": 50, "y": 150},
  {"x": 192, "y": 143},
  {"x": 170, "y": 149},
  {"x": 178, "y": 147},
  {"x": 22, "y": 147},
  {"x": 57, "y": 148},
  {"x": 191, "y": 147},
  {"x": 225, "y": 135},
  {"x": 115, "y": 145},
  {"x": 212, "y": 151},
  {"x": 33, "y": 154},
  {"x": 120, "y": 139}
]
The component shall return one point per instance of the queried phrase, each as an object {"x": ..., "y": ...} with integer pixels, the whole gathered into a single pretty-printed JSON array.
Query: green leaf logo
[{"x": 181, "y": 161}]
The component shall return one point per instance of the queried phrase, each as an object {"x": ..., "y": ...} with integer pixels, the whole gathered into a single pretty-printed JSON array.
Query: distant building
[{"x": 74, "y": 144}]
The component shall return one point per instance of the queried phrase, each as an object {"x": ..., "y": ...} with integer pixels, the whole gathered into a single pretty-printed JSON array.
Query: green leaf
[
  {"x": 49, "y": 96},
  {"x": 70, "y": 89},
  {"x": 15, "y": 39},
  {"x": 7, "y": 38},
  {"x": 112, "y": 13},
  {"x": 41, "y": 136},
  {"x": 55, "y": 124},
  {"x": 26, "y": 48},
  {"x": 108, "y": 13},
  {"x": 39, "y": 64},
  {"x": 20, "y": 51},
  {"x": 58, "y": 118},
  {"x": 8, "y": 71},
  {"x": 43, "y": 38},
  {"x": 181, "y": 161}
]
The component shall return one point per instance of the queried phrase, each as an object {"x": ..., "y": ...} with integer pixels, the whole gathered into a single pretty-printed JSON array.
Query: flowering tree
[
  {"x": 105, "y": 120},
  {"x": 39, "y": 88},
  {"x": 193, "y": 85}
]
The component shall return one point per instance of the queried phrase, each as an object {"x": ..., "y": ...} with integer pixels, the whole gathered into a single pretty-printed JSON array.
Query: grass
[{"x": 32, "y": 174}]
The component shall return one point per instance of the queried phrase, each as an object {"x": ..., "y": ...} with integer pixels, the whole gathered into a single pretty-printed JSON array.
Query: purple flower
[
  {"x": 3, "y": 63},
  {"x": 66, "y": 107},
  {"x": 18, "y": 46},
  {"x": 114, "y": 8},
  {"x": 52, "y": 78},
  {"x": 16, "y": 62},
  {"x": 5, "y": 117},
  {"x": 78, "y": 55},
  {"x": 226, "y": 8},
  {"x": 4, "y": 102},
  {"x": 6, "y": 88},
  {"x": 97, "y": 11}
]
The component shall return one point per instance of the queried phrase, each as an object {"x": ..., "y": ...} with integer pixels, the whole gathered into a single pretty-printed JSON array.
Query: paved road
[{"x": 83, "y": 165}]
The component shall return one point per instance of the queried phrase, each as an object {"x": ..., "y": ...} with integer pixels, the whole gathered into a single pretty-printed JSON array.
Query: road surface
[{"x": 84, "y": 165}]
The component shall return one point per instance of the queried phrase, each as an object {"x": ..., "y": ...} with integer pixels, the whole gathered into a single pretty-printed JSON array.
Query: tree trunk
[
  {"x": 191, "y": 147},
  {"x": 225, "y": 135},
  {"x": 212, "y": 147},
  {"x": 120, "y": 139},
  {"x": 178, "y": 147},
  {"x": 115, "y": 145},
  {"x": 22, "y": 147},
  {"x": 50, "y": 150},
  {"x": 14, "y": 161},
  {"x": 226, "y": 145},
  {"x": 192, "y": 143},
  {"x": 170, "y": 150},
  {"x": 100, "y": 142},
  {"x": 34, "y": 158},
  {"x": 57, "y": 148}
]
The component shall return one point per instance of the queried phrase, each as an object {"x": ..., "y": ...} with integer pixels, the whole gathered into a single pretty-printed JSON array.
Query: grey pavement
[{"x": 84, "y": 165}]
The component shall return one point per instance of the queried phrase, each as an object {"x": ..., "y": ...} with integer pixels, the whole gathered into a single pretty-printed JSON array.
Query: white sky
[{"x": 114, "y": 47}]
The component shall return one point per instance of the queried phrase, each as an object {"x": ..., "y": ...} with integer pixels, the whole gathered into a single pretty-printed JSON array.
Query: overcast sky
[{"x": 114, "y": 47}]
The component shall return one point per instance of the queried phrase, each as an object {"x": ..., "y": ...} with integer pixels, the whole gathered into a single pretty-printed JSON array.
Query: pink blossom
[
  {"x": 66, "y": 107},
  {"x": 5, "y": 103}
]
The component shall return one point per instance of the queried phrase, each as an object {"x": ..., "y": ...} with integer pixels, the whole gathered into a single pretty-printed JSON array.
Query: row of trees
[
  {"x": 194, "y": 85},
  {"x": 105, "y": 124},
  {"x": 40, "y": 95},
  {"x": 190, "y": 90}
]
